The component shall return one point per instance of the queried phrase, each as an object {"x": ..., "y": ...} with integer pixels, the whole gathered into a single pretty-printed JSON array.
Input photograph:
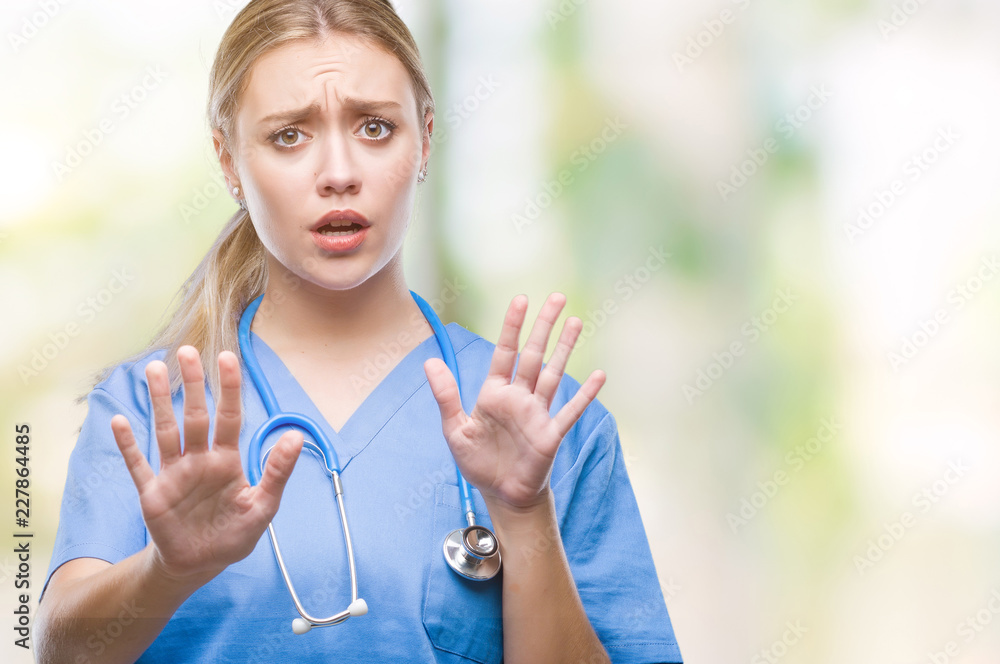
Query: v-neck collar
[{"x": 378, "y": 407}]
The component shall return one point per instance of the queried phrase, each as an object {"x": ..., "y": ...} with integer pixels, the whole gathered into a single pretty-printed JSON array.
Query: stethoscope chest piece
[{"x": 473, "y": 552}]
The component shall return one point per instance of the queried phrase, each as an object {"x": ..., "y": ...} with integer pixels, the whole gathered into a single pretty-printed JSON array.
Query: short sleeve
[
  {"x": 608, "y": 550},
  {"x": 100, "y": 515}
]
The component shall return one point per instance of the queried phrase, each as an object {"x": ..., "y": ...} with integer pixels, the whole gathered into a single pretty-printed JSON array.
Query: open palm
[
  {"x": 506, "y": 447},
  {"x": 200, "y": 510}
]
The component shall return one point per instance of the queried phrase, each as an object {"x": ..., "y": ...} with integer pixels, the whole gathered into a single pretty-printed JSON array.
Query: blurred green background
[{"x": 777, "y": 218}]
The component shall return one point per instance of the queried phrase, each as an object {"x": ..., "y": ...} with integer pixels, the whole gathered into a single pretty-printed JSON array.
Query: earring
[
  {"x": 236, "y": 193},
  {"x": 422, "y": 175}
]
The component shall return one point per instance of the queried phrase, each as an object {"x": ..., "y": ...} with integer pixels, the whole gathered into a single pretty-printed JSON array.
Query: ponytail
[{"x": 232, "y": 274}]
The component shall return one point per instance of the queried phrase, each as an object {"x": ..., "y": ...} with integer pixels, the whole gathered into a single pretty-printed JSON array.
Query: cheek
[
  {"x": 396, "y": 176},
  {"x": 273, "y": 198},
  {"x": 278, "y": 186}
]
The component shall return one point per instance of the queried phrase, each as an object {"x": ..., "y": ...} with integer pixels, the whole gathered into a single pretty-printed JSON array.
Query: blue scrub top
[{"x": 402, "y": 499}]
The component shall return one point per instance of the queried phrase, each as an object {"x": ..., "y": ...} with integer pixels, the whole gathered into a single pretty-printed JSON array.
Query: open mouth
[{"x": 349, "y": 229}]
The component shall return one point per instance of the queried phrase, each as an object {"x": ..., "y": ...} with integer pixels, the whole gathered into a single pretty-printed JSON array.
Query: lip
[{"x": 340, "y": 215}]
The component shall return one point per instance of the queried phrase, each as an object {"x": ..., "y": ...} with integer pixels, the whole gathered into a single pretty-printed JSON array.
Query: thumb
[
  {"x": 280, "y": 464},
  {"x": 446, "y": 393}
]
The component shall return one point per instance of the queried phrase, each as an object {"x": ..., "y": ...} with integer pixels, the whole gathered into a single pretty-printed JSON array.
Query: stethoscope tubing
[
  {"x": 320, "y": 443},
  {"x": 462, "y": 560},
  {"x": 448, "y": 353},
  {"x": 329, "y": 453}
]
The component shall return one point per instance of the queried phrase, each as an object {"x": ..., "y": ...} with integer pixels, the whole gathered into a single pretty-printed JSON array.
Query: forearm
[
  {"x": 111, "y": 616},
  {"x": 543, "y": 616}
]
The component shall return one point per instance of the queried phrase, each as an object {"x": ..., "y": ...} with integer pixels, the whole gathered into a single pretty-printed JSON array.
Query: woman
[{"x": 322, "y": 120}]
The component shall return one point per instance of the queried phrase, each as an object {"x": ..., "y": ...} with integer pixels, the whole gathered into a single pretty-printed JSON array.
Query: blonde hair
[{"x": 234, "y": 271}]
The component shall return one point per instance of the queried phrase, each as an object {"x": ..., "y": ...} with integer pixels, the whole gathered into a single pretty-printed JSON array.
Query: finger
[
  {"x": 533, "y": 354},
  {"x": 552, "y": 373},
  {"x": 168, "y": 437},
  {"x": 446, "y": 394},
  {"x": 571, "y": 412},
  {"x": 505, "y": 353},
  {"x": 196, "y": 418},
  {"x": 136, "y": 463},
  {"x": 278, "y": 469},
  {"x": 229, "y": 408}
]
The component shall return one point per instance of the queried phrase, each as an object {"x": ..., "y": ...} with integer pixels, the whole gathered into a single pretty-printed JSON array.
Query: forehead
[{"x": 324, "y": 71}]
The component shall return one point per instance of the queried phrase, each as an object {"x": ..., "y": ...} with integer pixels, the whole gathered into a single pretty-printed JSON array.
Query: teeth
[{"x": 333, "y": 232}]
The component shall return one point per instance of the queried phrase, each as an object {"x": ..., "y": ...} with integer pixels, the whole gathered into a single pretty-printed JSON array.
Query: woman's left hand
[{"x": 506, "y": 447}]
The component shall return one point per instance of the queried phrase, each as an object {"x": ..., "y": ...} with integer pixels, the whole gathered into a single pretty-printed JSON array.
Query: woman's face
[{"x": 328, "y": 126}]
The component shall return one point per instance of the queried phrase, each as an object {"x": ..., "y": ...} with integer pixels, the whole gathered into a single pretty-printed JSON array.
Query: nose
[{"x": 337, "y": 169}]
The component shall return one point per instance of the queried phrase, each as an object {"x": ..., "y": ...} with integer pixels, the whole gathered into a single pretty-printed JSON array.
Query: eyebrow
[{"x": 352, "y": 103}]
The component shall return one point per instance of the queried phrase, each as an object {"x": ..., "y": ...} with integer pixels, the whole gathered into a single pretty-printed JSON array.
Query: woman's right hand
[{"x": 200, "y": 510}]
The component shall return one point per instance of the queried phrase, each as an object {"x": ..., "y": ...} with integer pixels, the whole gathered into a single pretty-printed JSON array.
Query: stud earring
[{"x": 236, "y": 193}]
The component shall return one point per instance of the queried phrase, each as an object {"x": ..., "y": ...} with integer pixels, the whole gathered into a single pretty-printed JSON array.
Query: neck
[{"x": 338, "y": 324}]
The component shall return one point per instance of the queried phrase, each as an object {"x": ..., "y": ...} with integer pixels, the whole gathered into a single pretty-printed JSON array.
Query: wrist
[
  {"x": 161, "y": 576},
  {"x": 528, "y": 517}
]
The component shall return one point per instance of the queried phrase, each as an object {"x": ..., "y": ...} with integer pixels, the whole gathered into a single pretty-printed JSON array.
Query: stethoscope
[{"x": 473, "y": 551}]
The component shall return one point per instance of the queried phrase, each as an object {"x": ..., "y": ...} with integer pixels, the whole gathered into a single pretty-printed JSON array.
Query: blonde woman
[{"x": 322, "y": 119}]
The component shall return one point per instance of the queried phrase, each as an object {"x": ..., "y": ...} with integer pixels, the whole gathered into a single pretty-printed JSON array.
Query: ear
[
  {"x": 428, "y": 131},
  {"x": 225, "y": 159}
]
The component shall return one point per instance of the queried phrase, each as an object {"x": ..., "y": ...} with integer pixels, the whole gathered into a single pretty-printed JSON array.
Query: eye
[
  {"x": 287, "y": 137},
  {"x": 377, "y": 129}
]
